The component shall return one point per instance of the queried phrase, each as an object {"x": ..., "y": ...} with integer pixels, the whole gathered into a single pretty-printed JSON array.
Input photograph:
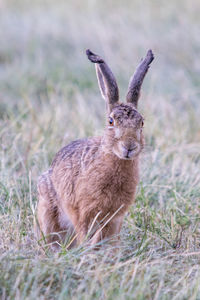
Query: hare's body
[
  {"x": 92, "y": 182},
  {"x": 71, "y": 202}
]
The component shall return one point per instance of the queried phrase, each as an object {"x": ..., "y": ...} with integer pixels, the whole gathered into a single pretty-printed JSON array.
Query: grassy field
[{"x": 49, "y": 96}]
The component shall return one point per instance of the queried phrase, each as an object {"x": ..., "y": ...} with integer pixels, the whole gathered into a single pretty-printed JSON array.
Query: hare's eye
[
  {"x": 111, "y": 121},
  {"x": 142, "y": 124}
]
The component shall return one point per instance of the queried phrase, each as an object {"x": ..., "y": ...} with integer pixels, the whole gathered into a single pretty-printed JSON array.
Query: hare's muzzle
[{"x": 128, "y": 152}]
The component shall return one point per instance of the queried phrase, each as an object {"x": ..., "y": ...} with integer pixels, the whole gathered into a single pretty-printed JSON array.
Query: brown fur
[{"x": 93, "y": 181}]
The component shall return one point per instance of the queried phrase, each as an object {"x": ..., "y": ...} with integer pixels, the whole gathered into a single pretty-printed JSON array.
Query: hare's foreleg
[
  {"x": 110, "y": 230},
  {"x": 81, "y": 232},
  {"x": 104, "y": 231}
]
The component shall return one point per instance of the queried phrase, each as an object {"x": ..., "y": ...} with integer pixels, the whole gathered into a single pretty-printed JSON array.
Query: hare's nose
[{"x": 128, "y": 151}]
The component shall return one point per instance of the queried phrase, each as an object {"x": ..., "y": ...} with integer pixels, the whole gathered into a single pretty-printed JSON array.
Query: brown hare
[{"x": 92, "y": 182}]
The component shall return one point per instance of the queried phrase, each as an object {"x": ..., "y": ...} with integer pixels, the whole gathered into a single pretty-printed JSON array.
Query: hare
[{"x": 92, "y": 182}]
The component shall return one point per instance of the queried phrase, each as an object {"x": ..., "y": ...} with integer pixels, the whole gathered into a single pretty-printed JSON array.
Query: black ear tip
[
  {"x": 93, "y": 57},
  {"x": 88, "y": 52},
  {"x": 150, "y": 55}
]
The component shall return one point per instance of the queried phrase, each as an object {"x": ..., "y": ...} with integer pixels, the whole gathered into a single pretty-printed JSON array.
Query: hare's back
[
  {"x": 69, "y": 163},
  {"x": 76, "y": 152}
]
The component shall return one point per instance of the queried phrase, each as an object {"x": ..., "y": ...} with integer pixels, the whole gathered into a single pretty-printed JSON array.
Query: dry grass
[{"x": 49, "y": 96}]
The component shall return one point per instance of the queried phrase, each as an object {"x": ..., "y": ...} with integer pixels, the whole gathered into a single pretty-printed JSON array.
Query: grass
[{"x": 49, "y": 96}]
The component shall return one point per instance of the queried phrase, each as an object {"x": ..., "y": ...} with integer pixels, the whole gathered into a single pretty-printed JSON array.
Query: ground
[{"x": 49, "y": 96}]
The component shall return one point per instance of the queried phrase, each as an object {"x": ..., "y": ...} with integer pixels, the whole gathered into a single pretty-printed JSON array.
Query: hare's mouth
[
  {"x": 128, "y": 154},
  {"x": 128, "y": 157}
]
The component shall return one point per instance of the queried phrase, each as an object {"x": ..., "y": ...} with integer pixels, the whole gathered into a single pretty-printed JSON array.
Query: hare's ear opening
[
  {"x": 110, "y": 96},
  {"x": 106, "y": 80},
  {"x": 100, "y": 82},
  {"x": 136, "y": 80}
]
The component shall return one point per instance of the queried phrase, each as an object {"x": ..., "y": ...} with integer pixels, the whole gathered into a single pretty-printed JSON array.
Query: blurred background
[
  {"x": 49, "y": 96},
  {"x": 46, "y": 79}
]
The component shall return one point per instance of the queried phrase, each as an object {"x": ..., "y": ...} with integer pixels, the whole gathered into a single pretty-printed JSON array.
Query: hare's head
[{"x": 123, "y": 135}]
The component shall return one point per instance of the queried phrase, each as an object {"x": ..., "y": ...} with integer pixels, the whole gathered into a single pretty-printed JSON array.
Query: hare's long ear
[
  {"x": 107, "y": 82},
  {"x": 136, "y": 80}
]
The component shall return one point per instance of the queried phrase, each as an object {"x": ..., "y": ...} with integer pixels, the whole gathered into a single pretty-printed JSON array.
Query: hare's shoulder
[{"x": 76, "y": 151}]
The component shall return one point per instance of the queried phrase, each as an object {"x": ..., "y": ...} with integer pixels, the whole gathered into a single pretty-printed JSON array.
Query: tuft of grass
[{"x": 49, "y": 96}]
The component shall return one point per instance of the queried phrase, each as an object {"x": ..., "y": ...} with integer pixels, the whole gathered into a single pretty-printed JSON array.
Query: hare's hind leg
[
  {"x": 53, "y": 225},
  {"x": 48, "y": 228}
]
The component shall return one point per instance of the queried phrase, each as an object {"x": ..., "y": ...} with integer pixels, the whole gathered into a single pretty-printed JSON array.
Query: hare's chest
[
  {"x": 110, "y": 188},
  {"x": 119, "y": 191}
]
